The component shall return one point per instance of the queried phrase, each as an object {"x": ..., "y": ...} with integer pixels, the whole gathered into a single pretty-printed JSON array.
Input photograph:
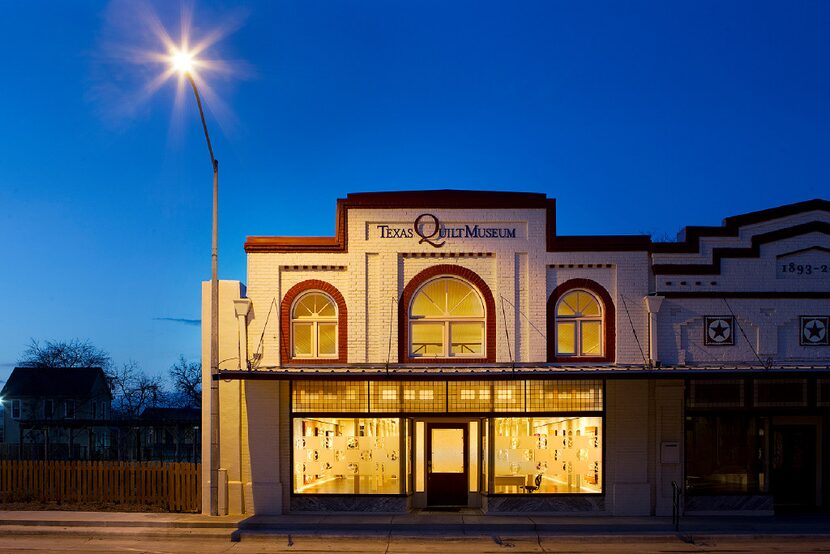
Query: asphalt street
[{"x": 402, "y": 545}]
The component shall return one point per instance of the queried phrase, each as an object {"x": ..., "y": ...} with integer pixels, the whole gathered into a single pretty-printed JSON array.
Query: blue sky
[{"x": 638, "y": 117}]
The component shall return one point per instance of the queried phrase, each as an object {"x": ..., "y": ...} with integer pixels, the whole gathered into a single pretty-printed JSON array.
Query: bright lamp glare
[{"x": 182, "y": 62}]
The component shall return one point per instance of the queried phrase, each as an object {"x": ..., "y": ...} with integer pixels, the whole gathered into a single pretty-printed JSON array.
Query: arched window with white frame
[
  {"x": 314, "y": 326},
  {"x": 447, "y": 319},
  {"x": 579, "y": 325}
]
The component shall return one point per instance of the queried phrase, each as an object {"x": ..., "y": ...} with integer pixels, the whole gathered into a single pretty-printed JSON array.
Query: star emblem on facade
[
  {"x": 814, "y": 330},
  {"x": 718, "y": 330}
]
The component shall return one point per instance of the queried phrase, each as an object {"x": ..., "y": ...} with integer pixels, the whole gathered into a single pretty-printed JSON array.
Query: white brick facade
[{"x": 371, "y": 269}]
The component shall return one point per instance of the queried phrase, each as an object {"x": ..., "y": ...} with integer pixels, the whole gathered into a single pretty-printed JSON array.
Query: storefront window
[
  {"x": 556, "y": 454},
  {"x": 485, "y": 454},
  {"x": 473, "y": 453},
  {"x": 347, "y": 455},
  {"x": 391, "y": 396},
  {"x": 420, "y": 435},
  {"x": 407, "y": 454},
  {"x": 726, "y": 454}
]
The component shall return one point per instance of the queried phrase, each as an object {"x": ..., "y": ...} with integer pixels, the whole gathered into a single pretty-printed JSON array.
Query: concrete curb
[
  {"x": 112, "y": 532},
  {"x": 584, "y": 533},
  {"x": 70, "y": 523},
  {"x": 271, "y": 534}
]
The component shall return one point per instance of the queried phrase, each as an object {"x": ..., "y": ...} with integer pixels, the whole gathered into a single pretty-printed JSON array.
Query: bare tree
[
  {"x": 187, "y": 381},
  {"x": 72, "y": 353},
  {"x": 134, "y": 390}
]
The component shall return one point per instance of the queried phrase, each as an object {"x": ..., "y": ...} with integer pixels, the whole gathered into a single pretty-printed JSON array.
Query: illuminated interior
[
  {"x": 420, "y": 436},
  {"x": 447, "y": 450},
  {"x": 347, "y": 455},
  {"x": 485, "y": 441},
  {"x": 447, "y": 320},
  {"x": 314, "y": 326},
  {"x": 578, "y": 325},
  {"x": 388, "y": 396},
  {"x": 473, "y": 453},
  {"x": 336, "y": 454},
  {"x": 565, "y": 451}
]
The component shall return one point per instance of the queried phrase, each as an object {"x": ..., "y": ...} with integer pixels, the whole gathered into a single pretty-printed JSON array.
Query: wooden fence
[{"x": 175, "y": 487}]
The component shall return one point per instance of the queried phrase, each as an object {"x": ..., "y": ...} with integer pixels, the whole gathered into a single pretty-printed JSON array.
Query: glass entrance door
[
  {"x": 793, "y": 475},
  {"x": 447, "y": 464}
]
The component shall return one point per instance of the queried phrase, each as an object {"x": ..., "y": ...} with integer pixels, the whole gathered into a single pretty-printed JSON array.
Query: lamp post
[{"x": 183, "y": 62}]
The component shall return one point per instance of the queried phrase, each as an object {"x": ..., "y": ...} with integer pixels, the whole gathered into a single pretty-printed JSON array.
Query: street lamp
[{"x": 183, "y": 62}]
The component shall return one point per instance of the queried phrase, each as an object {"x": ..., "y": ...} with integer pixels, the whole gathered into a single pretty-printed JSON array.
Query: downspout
[
  {"x": 652, "y": 304},
  {"x": 242, "y": 307}
]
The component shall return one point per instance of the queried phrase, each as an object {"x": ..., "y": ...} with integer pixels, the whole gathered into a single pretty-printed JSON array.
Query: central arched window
[
  {"x": 314, "y": 326},
  {"x": 447, "y": 319},
  {"x": 579, "y": 324}
]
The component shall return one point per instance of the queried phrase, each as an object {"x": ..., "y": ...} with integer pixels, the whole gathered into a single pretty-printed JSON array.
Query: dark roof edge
[
  {"x": 473, "y": 199},
  {"x": 731, "y": 225}
]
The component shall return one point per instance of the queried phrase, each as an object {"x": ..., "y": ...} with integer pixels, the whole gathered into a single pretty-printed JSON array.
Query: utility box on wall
[{"x": 669, "y": 453}]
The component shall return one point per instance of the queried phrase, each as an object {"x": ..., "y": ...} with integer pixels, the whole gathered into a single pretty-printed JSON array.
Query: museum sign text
[{"x": 430, "y": 230}]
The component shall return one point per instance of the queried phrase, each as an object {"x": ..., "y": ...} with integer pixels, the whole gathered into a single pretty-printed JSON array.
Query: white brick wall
[
  {"x": 627, "y": 483},
  {"x": 373, "y": 273},
  {"x": 770, "y": 325},
  {"x": 521, "y": 274}
]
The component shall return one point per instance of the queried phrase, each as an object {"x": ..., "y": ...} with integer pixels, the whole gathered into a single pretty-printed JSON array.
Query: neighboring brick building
[{"x": 449, "y": 348}]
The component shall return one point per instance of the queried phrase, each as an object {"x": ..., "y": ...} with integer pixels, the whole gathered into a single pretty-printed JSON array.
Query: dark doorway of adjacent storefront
[
  {"x": 446, "y": 464},
  {"x": 793, "y": 468}
]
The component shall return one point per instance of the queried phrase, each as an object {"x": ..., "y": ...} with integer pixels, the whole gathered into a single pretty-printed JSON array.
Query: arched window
[
  {"x": 579, "y": 321},
  {"x": 314, "y": 326},
  {"x": 447, "y": 319}
]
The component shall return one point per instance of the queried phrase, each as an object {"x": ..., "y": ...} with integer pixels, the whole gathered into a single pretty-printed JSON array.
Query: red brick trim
[
  {"x": 414, "y": 199},
  {"x": 609, "y": 321},
  {"x": 467, "y": 199},
  {"x": 447, "y": 198},
  {"x": 415, "y": 284},
  {"x": 337, "y": 243},
  {"x": 285, "y": 323}
]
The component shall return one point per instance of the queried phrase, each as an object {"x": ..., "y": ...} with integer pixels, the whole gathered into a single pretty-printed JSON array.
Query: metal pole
[
  {"x": 214, "y": 319},
  {"x": 214, "y": 351}
]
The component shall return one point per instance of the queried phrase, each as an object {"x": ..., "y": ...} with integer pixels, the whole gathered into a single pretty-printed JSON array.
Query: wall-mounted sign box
[{"x": 669, "y": 453}]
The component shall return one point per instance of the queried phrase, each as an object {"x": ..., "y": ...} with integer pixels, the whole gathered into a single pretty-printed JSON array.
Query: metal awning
[{"x": 524, "y": 371}]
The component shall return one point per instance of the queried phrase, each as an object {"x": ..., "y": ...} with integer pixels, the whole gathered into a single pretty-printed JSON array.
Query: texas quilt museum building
[{"x": 449, "y": 348}]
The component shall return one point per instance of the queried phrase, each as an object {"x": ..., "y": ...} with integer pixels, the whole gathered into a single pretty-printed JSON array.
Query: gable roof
[{"x": 67, "y": 382}]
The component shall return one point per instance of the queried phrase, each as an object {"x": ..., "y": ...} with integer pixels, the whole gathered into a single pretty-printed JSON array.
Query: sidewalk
[{"x": 422, "y": 524}]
